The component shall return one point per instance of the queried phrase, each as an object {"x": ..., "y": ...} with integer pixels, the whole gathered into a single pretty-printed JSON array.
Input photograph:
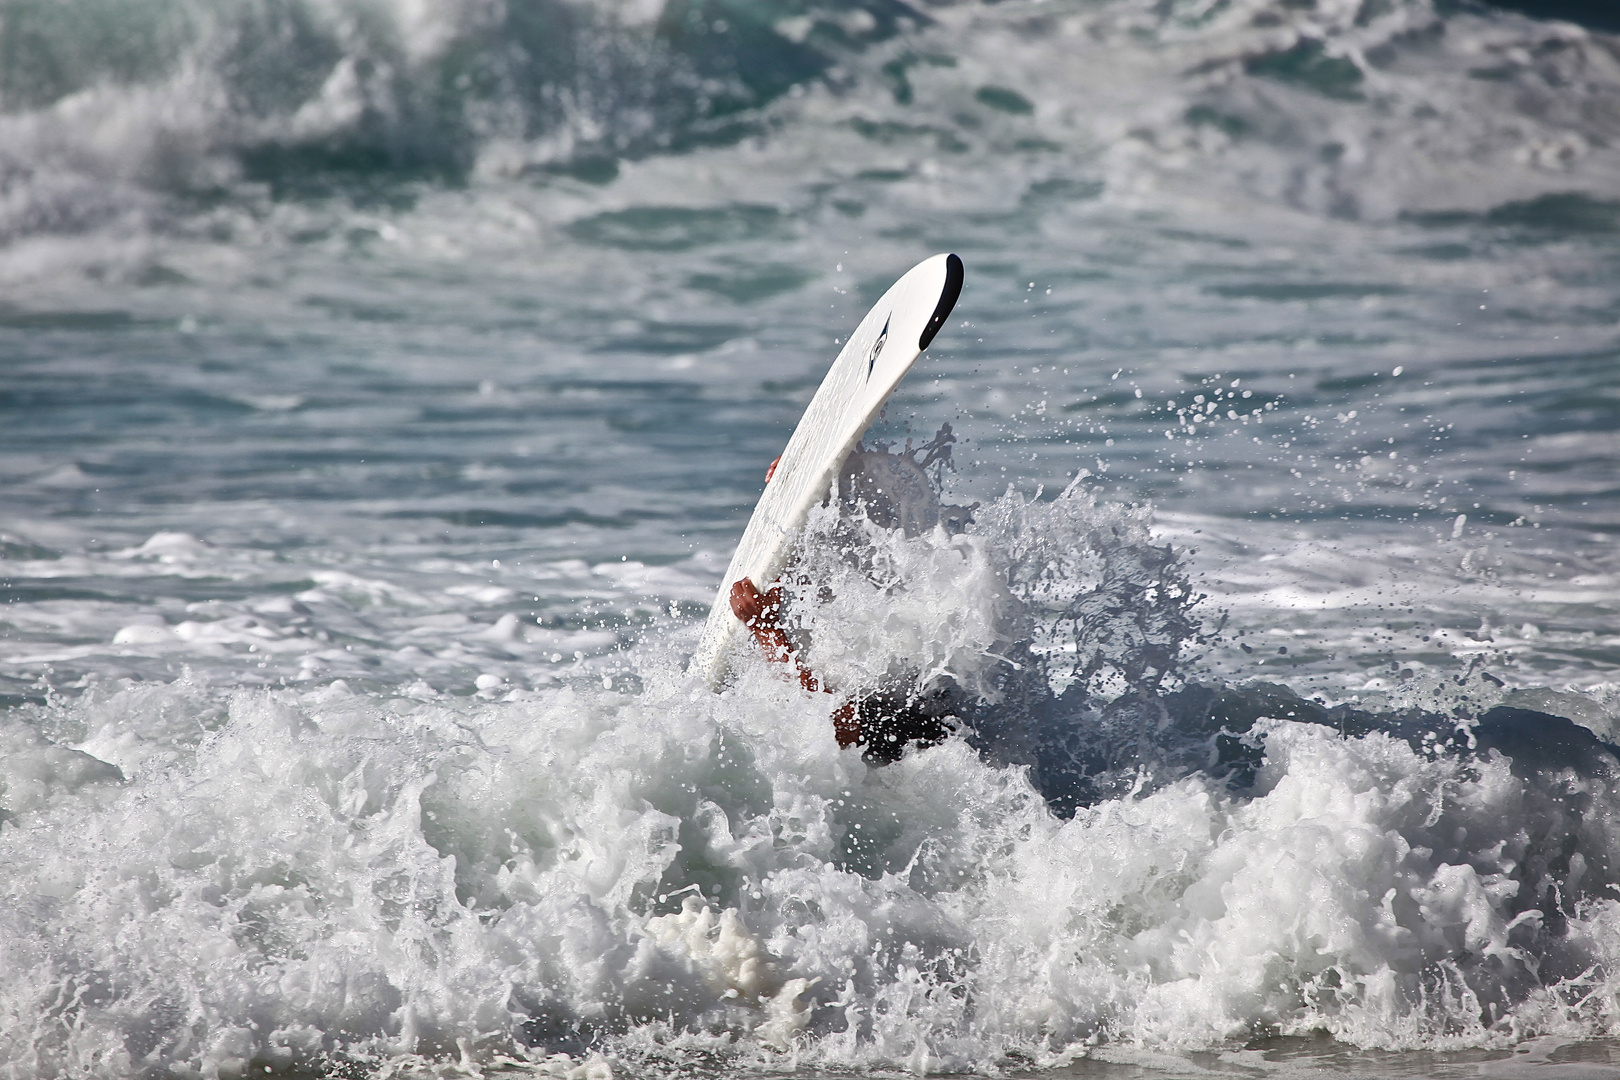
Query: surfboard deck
[{"x": 868, "y": 368}]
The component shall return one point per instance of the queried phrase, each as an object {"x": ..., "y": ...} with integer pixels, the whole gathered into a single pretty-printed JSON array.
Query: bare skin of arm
[{"x": 761, "y": 613}]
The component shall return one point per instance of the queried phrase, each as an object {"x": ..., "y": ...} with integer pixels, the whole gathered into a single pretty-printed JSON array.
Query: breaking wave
[
  {"x": 153, "y": 114},
  {"x": 1105, "y": 854}
]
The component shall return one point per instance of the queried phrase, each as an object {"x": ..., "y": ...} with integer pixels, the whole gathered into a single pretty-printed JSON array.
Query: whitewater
[{"x": 384, "y": 387}]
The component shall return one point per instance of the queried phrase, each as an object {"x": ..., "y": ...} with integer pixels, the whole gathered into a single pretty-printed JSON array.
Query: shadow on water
[
  {"x": 1082, "y": 751},
  {"x": 1592, "y": 14}
]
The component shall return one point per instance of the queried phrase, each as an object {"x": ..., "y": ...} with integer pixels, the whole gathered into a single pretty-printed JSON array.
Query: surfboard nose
[{"x": 947, "y": 301}]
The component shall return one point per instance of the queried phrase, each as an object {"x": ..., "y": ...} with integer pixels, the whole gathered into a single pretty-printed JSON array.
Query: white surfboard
[{"x": 872, "y": 363}]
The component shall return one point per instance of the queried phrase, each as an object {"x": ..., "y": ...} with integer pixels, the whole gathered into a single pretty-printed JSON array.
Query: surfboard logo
[{"x": 877, "y": 347}]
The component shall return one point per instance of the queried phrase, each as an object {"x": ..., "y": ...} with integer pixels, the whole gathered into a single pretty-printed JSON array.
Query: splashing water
[{"x": 289, "y": 878}]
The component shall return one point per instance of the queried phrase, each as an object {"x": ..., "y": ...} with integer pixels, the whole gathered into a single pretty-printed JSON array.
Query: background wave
[{"x": 1350, "y": 109}]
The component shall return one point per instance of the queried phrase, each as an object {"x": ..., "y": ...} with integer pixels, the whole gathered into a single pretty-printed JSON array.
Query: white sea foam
[
  {"x": 351, "y": 877},
  {"x": 215, "y": 887}
]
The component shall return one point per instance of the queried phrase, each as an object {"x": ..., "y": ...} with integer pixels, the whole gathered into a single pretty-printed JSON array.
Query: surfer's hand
[
  {"x": 749, "y": 604},
  {"x": 759, "y": 611},
  {"x": 770, "y": 470}
]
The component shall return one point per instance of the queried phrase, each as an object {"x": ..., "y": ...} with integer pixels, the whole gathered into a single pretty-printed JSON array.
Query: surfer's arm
[{"x": 760, "y": 612}]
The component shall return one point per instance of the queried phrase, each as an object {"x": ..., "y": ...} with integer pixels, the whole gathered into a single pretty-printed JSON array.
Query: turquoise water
[{"x": 384, "y": 388}]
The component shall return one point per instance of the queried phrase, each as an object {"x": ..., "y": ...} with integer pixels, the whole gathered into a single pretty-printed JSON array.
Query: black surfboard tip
[{"x": 947, "y": 300}]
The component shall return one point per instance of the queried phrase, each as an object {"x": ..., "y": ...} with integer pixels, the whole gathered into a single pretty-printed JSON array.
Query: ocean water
[{"x": 384, "y": 385}]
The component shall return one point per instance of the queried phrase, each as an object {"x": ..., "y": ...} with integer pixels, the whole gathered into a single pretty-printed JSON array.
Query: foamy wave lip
[
  {"x": 927, "y": 607},
  {"x": 1062, "y": 591}
]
